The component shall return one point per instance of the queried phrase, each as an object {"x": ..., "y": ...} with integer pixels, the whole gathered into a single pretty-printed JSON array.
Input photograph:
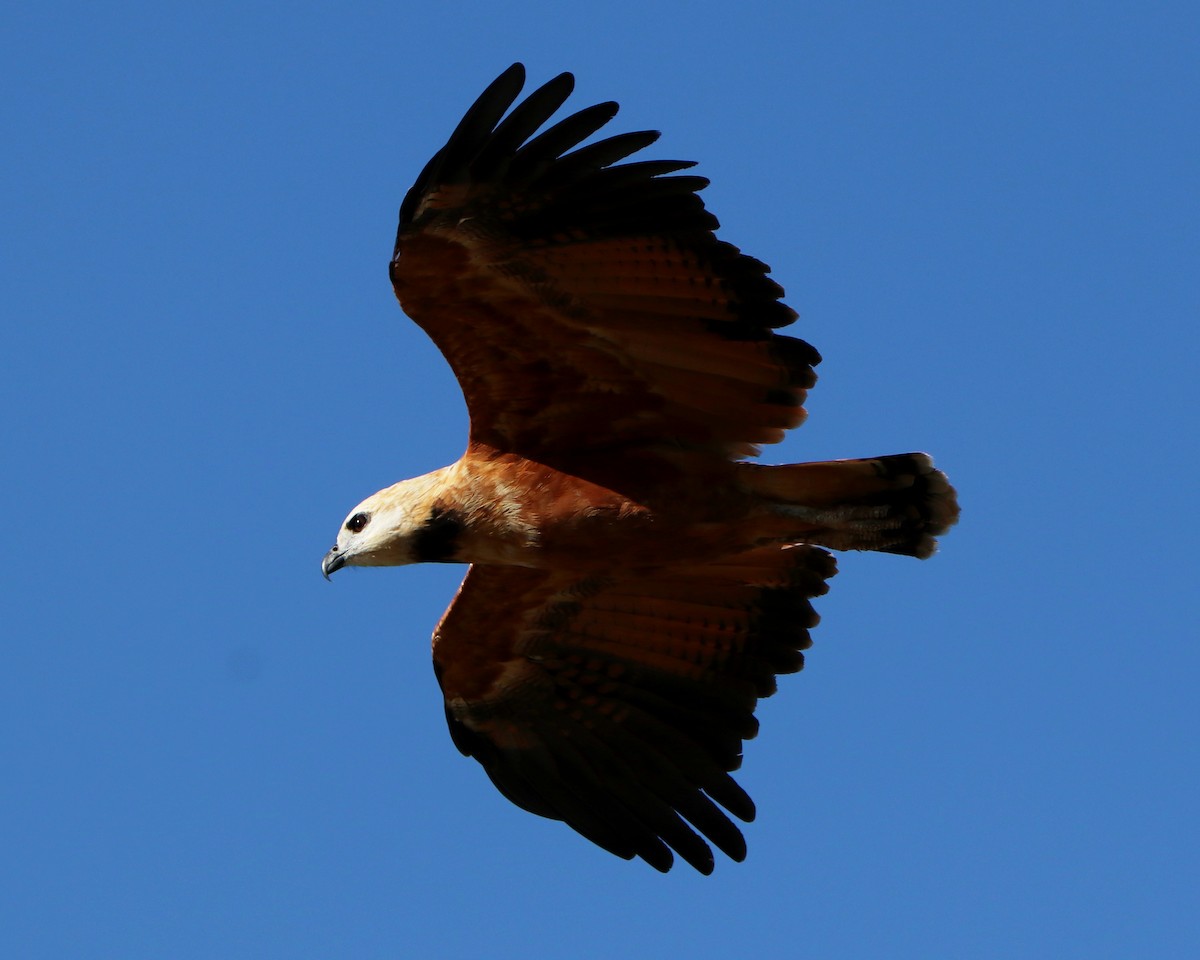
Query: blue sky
[{"x": 987, "y": 218}]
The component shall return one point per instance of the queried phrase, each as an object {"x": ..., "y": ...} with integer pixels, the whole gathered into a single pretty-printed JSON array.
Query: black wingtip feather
[
  {"x": 483, "y": 116},
  {"x": 524, "y": 120},
  {"x": 542, "y": 152},
  {"x": 467, "y": 137},
  {"x": 597, "y": 156}
]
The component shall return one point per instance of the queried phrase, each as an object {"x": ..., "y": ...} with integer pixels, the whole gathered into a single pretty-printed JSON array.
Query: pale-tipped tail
[{"x": 894, "y": 504}]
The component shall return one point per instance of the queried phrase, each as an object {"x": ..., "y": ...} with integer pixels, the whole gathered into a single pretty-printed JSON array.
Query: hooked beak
[{"x": 333, "y": 561}]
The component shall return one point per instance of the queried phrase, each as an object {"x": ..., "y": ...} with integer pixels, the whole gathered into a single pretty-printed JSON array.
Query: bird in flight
[{"x": 635, "y": 584}]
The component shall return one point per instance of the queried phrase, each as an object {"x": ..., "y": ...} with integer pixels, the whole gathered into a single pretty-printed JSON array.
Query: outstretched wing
[
  {"x": 620, "y": 706},
  {"x": 586, "y": 303}
]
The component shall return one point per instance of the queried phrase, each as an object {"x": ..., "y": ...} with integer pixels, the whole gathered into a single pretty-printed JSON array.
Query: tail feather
[{"x": 893, "y": 504}]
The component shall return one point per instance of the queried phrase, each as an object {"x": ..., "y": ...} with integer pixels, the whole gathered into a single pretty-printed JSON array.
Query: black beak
[{"x": 333, "y": 561}]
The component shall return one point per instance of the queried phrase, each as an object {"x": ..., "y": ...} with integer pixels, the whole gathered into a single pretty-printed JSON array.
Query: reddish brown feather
[
  {"x": 532, "y": 662},
  {"x": 665, "y": 319}
]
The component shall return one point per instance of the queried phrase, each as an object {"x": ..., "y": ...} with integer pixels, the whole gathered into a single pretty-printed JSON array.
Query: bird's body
[
  {"x": 635, "y": 584},
  {"x": 660, "y": 506}
]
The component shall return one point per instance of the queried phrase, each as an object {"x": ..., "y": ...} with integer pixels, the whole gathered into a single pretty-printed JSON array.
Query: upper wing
[
  {"x": 620, "y": 706},
  {"x": 585, "y": 303}
]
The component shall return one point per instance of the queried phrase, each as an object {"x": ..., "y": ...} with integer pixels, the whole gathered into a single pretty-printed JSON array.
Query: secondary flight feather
[{"x": 635, "y": 583}]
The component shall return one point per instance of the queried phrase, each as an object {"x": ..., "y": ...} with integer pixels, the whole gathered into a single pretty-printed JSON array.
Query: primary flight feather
[{"x": 635, "y": 584}]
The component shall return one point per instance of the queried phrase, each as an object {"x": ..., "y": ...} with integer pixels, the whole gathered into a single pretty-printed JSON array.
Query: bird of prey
[{"x": 635, "y": 582}]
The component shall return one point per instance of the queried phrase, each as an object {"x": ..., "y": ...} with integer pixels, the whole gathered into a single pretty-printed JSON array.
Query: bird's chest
[{"x": 521, "y": 513}]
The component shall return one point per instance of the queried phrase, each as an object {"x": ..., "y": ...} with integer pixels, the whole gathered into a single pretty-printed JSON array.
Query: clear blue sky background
[{"x": 987, "y": 216}]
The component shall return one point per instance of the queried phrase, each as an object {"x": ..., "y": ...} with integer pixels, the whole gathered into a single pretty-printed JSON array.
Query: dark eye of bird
[{"x": 357, "y": 522}]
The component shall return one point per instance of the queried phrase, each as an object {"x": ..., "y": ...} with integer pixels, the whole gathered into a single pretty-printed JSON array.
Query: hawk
[{"x": 635, "y": 584}]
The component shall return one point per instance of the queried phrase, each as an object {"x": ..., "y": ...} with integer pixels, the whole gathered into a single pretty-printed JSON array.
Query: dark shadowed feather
[
  {"x": 516, "y": 246},
  {"x": 585, "y": 717}
]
